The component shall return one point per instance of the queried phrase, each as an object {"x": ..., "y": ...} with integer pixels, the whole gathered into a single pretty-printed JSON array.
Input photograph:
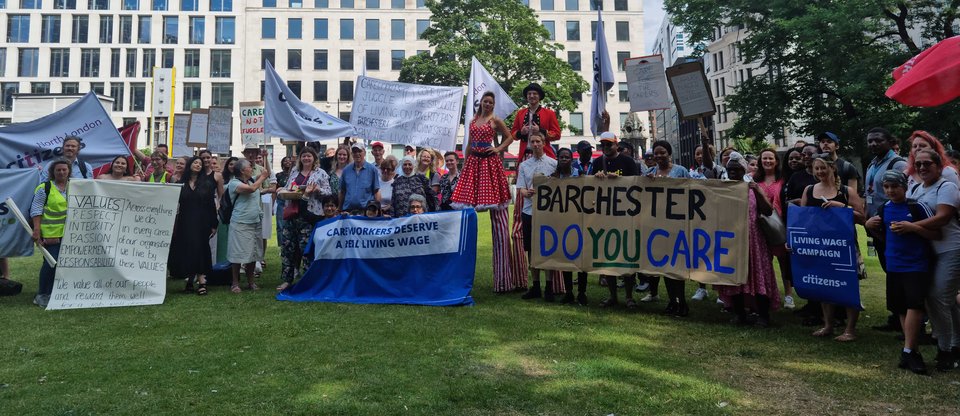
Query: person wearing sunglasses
[
  {"x": 388, "y": 171},
  {"x": 921, "y": 140}
]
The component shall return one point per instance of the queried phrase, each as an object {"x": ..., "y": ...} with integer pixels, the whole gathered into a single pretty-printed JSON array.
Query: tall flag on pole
[
  {"x": 480, "y": 82},
  {"x": 603, "y": 78},
  {"x": 284, "y": 115}
]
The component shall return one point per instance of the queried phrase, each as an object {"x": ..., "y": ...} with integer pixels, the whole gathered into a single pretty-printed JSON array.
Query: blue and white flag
[
  {"x": 284, "y": 115},
  {"x": 426, "y": 259},
  {"x": 603, "y": 78},
  {"x": 823, "y": 256},
  {"x": 19, "y": 185},
  {"x": 480, "y": 82},
  {"x": 33, "y": 143}
]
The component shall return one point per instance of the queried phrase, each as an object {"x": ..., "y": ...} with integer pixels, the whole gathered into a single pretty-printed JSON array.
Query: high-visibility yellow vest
[
  {"x": 54, "y": 213},
  {"x": 163, "y": 178}
]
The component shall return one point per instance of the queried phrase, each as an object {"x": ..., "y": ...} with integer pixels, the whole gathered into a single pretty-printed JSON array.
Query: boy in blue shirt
[{"x": 909, "y": 258}]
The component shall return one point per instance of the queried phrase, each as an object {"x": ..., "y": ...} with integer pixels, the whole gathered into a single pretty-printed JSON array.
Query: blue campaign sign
[{"x": 824, "y": 255}]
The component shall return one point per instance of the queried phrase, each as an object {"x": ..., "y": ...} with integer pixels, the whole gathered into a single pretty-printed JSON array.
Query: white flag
[
  {"x": 284, "y": 115},
  {"x": 603, "y": 78},
  {"x": 480, "y": 82}
]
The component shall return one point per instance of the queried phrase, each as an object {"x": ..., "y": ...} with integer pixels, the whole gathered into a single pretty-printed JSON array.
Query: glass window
[
  {"x": 98, "y": 4},
  {"x": 398, "y": 4},
  {"x": 222, "y": 94},
  {"x": 573, "y": 58},
  {"x": 106, "y": 29},
  {"x": 346, "y": 28},
  {"x": 594, "y": 4},
  {"x": 143, "y": 30},
  {"x": 294, "y": 87},
  {"x": 191, "y": 63},
  {"x": 398, "y": 28},
  {"x": 552, "y": 28},
  {"x": 372, "y": 28},
  {"x": 130, "y": 5},
  {"x": 171, "y": 27},
  {"x": 189, "y": 5},
  {"x": 59, "y": 62},
  {"x": 268, "y": 55},
  {"x": 138, "y": 96},
  {"x": 623, "y": 92},
  {"x": 116, "y": 92},
  {"x": 622, "y": 57},
  {"x": 39, "y": 87},
  {"x": 546, "y": 5},
  {"x": 295, "y": 28},
  {"x": 576, "y": 123},
  {"x": 131, "y": 64},
  {"x": 126, "y": 29},
  {"x": 3, "y": 62},
  {"x": 220, "y": 63},
  {"x": 346, "y": 4},
  {"x": 269, "y": 3},
  {"x": 115, "y": 63},
  {"x": 321, "y": 4},
  {"x": 191, "y": 95},
  {"x": 296, "y": 4},
  {"x": 346, "y": 91},
  {"x": 7, "y": 89},
  {"x": 149, "y": 61},
  {"x": 396, "y": 59},
  {"x": 268, "y": 28},
  {"x": 372, "y": 61},
  {"x": 593, "y": 30},
  {"x": 319, "y": 90},
  {"x": 197, "y": 24},
  {"x": 166, "y": 58},
  {"x": 320, "y": 60},
  {"x": 64, "y": 4},
  {"x": 160, "y": 5},
  {"x": 623, "y": 31},
  {"x": 422, "y": 25},
  {"x": 221, "y": 5},
  {"x": 90, "y": 62},
  {"x": 373, "y": 4},
  {"x": 18, "y": 28},
  {"x": 80, "y": 29},
  {"x": 421, "y": 4},
  {"x": 321, "y": 29},
  {"x": 619, "y": 4},
  {"x": 573, "y": 30},
  {"x": 50, "y": 28},
  {"x": 346, "y": 59},
  {"x": 69, "y": 87},
  {"x": 226, "y": 30},
  {"x": 294, "y": 59},
  {"x": 97, "y": 87},
  {"x": 572, "y": 4},
  {"x": 28, "y": 66}
]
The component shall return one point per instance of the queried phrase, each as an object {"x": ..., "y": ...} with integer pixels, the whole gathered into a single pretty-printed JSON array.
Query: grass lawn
[{"x": 250, "y": 354}]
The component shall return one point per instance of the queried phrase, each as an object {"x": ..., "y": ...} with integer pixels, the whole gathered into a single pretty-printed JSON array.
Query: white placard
[
  {"x": 251, "y": 123},
  {"x": 417, "y": 115},
  {"x": 115, "y": 244},
  {"x": 197, "y": 130},
  {"x": 219, "y": 129},
  {"x": 181, "y": 122},
  {"x": 647, "y": 83}
]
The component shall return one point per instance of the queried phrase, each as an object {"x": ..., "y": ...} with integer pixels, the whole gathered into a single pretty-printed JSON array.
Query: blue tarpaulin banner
[
  {"x": 18, "y": 184},
  {"x": 824, "y": 254},
  {"x": 426, "y": 259}
]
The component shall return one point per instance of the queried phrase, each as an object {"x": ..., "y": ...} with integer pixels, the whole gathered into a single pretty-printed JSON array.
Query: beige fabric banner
[{"x": 678, "y": 228}]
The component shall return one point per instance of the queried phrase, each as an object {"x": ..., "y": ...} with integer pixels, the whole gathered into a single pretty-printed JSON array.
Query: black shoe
[
  {"x": 568, "y": 298},
  {"x": 582, "y": 299},
  {"x": 946, "y": 361},
  {"x": 672, "y": 308},
  {"x": 903, "y": 360},
  {"x": 683, "y": 311},
  {"x": 885, "y": 328},
  {"x": 533, "y": 293},
  {"x": 913, "y": 362},
  {"x": 548, "y": 295},
  {"x": 762, "y": 322},
  {"x": 740, "y": 320}
]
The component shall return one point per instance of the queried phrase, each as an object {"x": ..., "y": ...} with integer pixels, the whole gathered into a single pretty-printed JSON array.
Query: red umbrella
[{"x": 929, "y": 79}]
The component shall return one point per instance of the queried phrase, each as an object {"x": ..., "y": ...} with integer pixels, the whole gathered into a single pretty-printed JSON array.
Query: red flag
[
  {"x": 129, "y": 134},
  {"x": 929, "y": 79}
]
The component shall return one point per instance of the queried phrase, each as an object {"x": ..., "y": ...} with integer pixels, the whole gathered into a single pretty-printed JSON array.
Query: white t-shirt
[
  {"x": 943, "y": 192},
  {"x": 386, "y": 192},
  {"x": 545, "y": 166}
]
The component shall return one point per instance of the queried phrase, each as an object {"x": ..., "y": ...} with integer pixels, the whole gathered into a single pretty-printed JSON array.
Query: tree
[
  {"x": 506, "y": 37},
  {"x": 829, "y": 63}
]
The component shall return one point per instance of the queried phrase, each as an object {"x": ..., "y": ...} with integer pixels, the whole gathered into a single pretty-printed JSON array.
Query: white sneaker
[
  {"x": 41, "y": 300},
  {"x": 649, "y": 298},
  {"x": 700, "y": 294},
  {"x": 788, "y": 302},
  {"x": 720, "y": 302}
]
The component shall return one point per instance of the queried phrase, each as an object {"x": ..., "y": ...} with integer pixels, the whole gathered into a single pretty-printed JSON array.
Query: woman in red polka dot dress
[{"x": 483, "y": 186}]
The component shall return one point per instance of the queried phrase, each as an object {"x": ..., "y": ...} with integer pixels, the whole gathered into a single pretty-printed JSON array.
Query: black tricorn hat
[{"x": 534, "y": 87}]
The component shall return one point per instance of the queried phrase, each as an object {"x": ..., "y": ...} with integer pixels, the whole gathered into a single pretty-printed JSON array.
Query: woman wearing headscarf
[
  {"x": 761, "y": 281},
  {"x": 308, "y": 177},
  {"x": 408, "y": 183},
  {"x": 195, "y": 224}
]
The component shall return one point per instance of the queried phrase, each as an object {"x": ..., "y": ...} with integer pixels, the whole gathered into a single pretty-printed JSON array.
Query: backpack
[
  {"x": 846, "y": 170},
  {"x": 226, "y": 207},
  {"x": 83, "y": 168}
]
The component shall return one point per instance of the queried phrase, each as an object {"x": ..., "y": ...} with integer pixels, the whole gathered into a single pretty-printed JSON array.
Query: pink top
[{"x": 772, "y": 191}]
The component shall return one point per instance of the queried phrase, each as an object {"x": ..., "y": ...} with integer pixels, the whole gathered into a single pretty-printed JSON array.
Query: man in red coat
[{"x": 536, "y": 117}]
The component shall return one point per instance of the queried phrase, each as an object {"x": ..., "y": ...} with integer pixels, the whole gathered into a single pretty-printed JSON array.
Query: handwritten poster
[
  {"x": 115, "y": 244},
  {"x": 251, "y": 123},
  {"x": 647, "y": 83},
  {"x": 219, "y": 129},
  {"x": 417, "y": 115},
  {"x": 197, "y": 128},
  {"x": 181, "y": 122},
  {"x": 691, "y": 92}
]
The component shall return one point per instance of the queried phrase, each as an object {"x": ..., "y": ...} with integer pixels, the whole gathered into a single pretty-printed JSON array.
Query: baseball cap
[
  {"x": 376, "y": 144},
  {"x": 356, "y": 146},
  {"x": 828, "y": 135},
  {"x": 608, "y": 136}
]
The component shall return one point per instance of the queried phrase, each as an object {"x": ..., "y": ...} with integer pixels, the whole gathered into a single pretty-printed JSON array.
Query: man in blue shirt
[
  {"x": 71, "y": 151},
  {"x": 360, "y": 182}
]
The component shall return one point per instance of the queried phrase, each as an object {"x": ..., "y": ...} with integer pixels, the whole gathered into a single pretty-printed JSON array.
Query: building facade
[
  {"x": 683, "y": 135},
  {"x": 218, "y": 49}
]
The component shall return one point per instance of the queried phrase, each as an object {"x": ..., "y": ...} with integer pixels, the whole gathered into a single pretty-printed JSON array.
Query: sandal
[
  {"x": 201, "y": 289},
  {"x": 823, "y": 332},
  {"x": 283, "y": 286},
  {"x": 631, "y": 304},
  {"x": 235, "y": 289},
  {"x": 846, "y": 337},
  {"x": 609, "y": 302},
  {"x": 253, "y": 286},
  {"x": 189, "y": 287}
]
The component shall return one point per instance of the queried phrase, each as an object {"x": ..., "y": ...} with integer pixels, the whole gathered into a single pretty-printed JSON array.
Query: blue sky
[{"x": 652, "y": 17}]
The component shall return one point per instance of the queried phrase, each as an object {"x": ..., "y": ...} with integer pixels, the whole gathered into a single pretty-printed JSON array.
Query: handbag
[
  {"x": 774, "y": 231},
  {"x": 291, "y": 209}
]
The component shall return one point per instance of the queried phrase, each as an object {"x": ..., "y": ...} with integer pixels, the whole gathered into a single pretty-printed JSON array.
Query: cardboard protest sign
[
  {"x": 251, "y": 123},
  {"x": 679, "y": 228},
  {"x": 181, "y": 122},
  {"x": 197, "y": 129},
  {"x": 115, "y": 244},
  {"x": 647, "y": 83},
  {"x": 219, "y": 129},
  {"x": 823, "y": 255},
  {"x": 690, "y": 89},
  {"x": 417, "y": 115}
]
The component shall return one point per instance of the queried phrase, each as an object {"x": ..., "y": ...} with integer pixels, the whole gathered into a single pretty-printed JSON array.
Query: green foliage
[
  {"x": 506, "y": 37},
  {"x": 829, "y": 63},
  {"x": 750, "y": 146}
]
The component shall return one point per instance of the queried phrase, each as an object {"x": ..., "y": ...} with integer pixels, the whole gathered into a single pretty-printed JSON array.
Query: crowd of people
[{"x": 909, "y": 206}]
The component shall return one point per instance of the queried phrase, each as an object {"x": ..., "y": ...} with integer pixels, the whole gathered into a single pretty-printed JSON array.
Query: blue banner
[
  {"x": 426, "y": 259},
  {"x": 18, "y": 184},
  {"x": 823, "y": 254}
]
